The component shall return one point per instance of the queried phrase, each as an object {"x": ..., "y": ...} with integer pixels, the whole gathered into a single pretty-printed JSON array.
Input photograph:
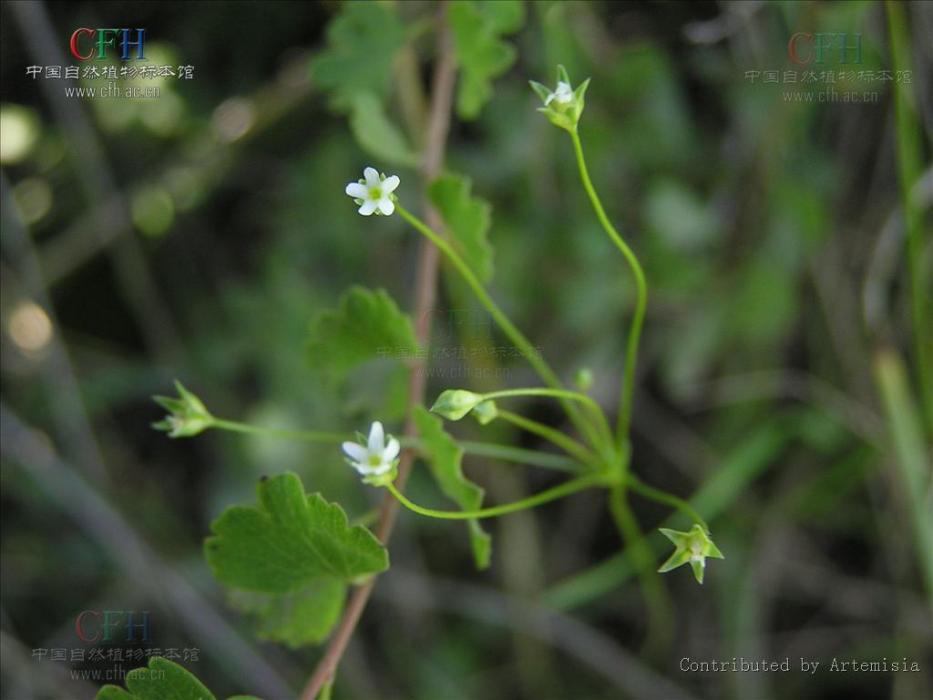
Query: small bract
[{"x": 373, "y": 193}]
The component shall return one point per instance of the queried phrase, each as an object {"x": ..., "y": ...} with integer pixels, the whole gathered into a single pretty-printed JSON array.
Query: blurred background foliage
[{"x": 196, "y": 235}]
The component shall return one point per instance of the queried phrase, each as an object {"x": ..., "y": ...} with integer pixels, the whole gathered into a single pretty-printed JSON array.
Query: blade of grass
[
  {"x": 910, "y": 167},
  {"x": 911, "y": 457}
]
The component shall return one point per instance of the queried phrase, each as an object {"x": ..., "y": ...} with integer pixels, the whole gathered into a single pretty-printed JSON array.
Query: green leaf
[
  {"x": 366, "y": 325},
  {"x": 162, "y": 680},
  {"x": 480, "y": 53},
  {"x": 305, "y": 616},
  {"x": 112, "y": 692},
  {"x": 375, "y": 132},
  {"x": 361, "y": 44},
  {"x": 467, "y": 219},
  {"x": 504, "y": 16},
  {"x": 290, "y": 540},
  {"x": 291, "y": 559},
  {"x": 443, "y": 455}
]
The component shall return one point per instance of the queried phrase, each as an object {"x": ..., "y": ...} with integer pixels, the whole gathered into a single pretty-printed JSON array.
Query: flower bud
[
  {"x": 563, "y": 105},
  {"x": 187, "y": 414},
  {"x": 454, "y": 404}
]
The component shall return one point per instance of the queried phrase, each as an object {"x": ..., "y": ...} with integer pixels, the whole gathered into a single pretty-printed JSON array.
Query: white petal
[
  {"x": 357, "y": 189},
  {"x": 386, "y": 206},
  {"x": 390, "y": 183},
  {"x": 355, "y": 452},
  {"x": 549, "y": 98},
  {"x": 372, "y": 177},
  {"x": 377, "y": 442},
  {"x": 363, "y": 469},
  {"x": 368, "y": 207},
  {"x": 391, "y": 451}
]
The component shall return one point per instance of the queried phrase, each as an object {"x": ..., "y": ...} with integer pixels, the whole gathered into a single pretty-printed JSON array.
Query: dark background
[{"x": 196, "y": 235}]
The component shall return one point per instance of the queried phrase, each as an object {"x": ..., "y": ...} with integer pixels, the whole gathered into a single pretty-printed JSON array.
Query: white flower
[
  {"x": 373, "y": 193},
  {"x": 562, "y": 95},
  {"x": 563, "y": 105},
  {"x": 374, "y": 458}
]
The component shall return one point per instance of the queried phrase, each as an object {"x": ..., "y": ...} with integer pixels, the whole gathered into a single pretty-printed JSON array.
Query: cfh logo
[
  {"x": 99, "y": 625},
  {"x": 84, "y": 40},
  {"x": 805, "y": 48}
]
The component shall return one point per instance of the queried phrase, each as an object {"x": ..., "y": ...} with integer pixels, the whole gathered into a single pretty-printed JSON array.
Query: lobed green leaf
[
  {"x": 467, "y": 219},
  {"x": 504, "y": 16},
  {"x": 161, "y": 680},
  {"x": 377, "y": 134},
  {"x": 361, "y": 45},
  {"x": 480, "y": 53},
  {"x": 305, "y": 616},
  {"x": 367, "y": 324},
  {"x": 290, "y": 540}
]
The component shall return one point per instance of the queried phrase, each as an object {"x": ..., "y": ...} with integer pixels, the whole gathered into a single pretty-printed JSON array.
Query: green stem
[
  {"x": 302, "y": 435},
  {"x": 659, "y": 605},
  {"x": 565, "y": 489},
  {"x": 483, "y": 449},
  {"x": 568, "y": 444},
  {"x": 670, "y": 499},
  {"x": 520, "y": 455},
  {"x": 561, "y": 394},
  {"x": 631, "y": 354},
  {"x": 521, "y": 342}
]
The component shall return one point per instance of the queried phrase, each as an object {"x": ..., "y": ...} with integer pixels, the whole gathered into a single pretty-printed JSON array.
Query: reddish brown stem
[{"x": 436, "y": 139}]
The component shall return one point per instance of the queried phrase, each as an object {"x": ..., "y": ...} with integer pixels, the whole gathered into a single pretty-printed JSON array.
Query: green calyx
[
  {"x": 188, "y": 416},
  {"x": 382, "y": 480},
  {"x": 563, "y": 106},
  {"x": 692, "y": 547}
]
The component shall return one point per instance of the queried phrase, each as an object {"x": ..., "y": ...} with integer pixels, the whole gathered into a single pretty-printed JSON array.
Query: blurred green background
[{"x": 195, "y": 236}]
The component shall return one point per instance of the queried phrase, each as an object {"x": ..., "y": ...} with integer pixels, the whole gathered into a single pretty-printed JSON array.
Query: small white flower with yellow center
[
  {"x": 377, "y": 458},
  {"x": 374, "y": 192}
]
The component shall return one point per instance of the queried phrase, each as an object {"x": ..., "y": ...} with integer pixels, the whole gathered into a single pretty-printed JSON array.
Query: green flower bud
[
  {"x": 486, "y": 412},
  {"x": 187, "y": 414},
  {"x": 563, "y": 105},
  {"x": 583, "y": 378},
  {"x": 454, "y": 404}
]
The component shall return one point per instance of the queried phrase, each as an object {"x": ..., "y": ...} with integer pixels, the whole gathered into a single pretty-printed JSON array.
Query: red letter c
[
  {"x": 792, "y": 48},
  {"x": 81, "y": 615},
  {"x": 74, "y": 43}
]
